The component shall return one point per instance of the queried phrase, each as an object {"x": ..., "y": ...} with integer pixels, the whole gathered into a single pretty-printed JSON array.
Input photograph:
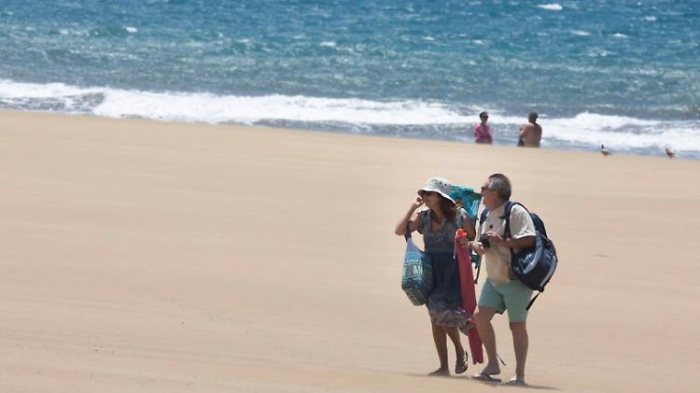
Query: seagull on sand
[
  {"x": 604, "y": 151},
  {"x": 670, "y": 153}
]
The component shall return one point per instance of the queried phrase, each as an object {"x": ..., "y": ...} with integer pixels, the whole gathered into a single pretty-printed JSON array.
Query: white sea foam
[
  {"x": 619, "y": 35},
  {"x": 329, "y": 44},
  {"x": 585, "y": 129},
  {"x": 202, "y": 107},
  {"x": 72, "y": 32},
  {"x": 624, "y": 133},
  {"x": 551, "y": 7},
  {"x": 131, "y": 29},
  {"x": 580, "y": 33},
  {"x": 249, "y": 110},
  {"x": 619, "y": 133},
  {"x": 10, "y": 89},
  {"x": 650, "y": 18}
]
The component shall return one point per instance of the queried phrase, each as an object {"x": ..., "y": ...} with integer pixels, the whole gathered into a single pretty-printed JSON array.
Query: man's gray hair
[{"x": 499, "y": 182}]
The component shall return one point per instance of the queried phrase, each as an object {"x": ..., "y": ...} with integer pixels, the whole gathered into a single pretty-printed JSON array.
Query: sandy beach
[{"x": 144, "y": 256}]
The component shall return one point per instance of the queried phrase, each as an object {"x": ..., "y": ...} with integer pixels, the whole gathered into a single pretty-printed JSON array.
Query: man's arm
[
  {"x": 523, "y": 242},
  {"x": 524, "y": 131},
  {"x": 523, "y": 228}
]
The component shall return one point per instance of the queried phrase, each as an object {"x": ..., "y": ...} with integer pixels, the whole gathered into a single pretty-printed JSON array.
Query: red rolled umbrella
[{"x": 466, "y": 279}]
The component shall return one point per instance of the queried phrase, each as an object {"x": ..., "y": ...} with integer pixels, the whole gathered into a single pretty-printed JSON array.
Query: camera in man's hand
[{"x": 484, "y": 239}]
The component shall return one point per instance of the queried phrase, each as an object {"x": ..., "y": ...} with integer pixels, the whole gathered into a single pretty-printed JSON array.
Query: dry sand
[{"x": 141, "y": 256}]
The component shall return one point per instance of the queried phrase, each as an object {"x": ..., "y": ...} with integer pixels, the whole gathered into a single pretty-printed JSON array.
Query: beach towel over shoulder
[{"x": 468, "y": 200}]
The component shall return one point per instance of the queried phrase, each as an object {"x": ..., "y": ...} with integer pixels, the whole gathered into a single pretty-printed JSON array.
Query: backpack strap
[
  {"x": 478, "y": 271},
  {"x": 532, "y": 301},
  {"x": 482, "y": 219},
  {"x": 484, "y": 214},
  {"x": 506, "y": 215}
]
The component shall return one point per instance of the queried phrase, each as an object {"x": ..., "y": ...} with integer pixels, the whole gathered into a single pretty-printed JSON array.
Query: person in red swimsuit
[{"x": 482, "y": 131}]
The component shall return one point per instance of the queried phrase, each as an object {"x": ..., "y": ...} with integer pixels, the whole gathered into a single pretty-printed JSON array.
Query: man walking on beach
[
  {"x": 501, "y": 290},
  {"x": 530, "y": 134}
]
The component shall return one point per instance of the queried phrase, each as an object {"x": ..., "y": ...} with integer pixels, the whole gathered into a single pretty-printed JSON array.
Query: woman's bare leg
[
  {"x": 440, "y": 338},
  {"x": 453, "y": 333}
]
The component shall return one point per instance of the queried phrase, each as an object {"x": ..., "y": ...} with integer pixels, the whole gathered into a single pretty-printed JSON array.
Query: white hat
[{"x": 439, "y": 185}]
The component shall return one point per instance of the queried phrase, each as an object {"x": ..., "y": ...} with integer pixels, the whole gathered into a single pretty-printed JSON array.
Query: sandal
[
  {"x": 462, "y": 364},
  {"x": 483, "y": 377},
  {"x": 516, "y": 382}
]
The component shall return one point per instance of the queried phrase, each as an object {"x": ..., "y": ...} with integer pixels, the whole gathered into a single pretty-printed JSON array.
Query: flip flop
[
  {"x": 516, "y": 382},
  {"x": 486, "y": 378}
]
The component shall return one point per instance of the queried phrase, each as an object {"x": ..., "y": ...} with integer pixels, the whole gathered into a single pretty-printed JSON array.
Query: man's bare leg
[
  {"x": 483, "y": 318},
  {"x": 520, "y": 344}
]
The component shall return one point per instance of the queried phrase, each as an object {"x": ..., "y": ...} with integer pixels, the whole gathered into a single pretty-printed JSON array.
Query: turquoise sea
[{"x": 622, "y": 73}]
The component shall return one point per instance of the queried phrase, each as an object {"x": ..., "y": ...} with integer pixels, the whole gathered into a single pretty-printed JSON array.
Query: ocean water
[{"x": 621, "y": 73}]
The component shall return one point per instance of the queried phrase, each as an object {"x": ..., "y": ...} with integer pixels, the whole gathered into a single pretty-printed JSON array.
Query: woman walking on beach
[{"x": 438, "y": 224}]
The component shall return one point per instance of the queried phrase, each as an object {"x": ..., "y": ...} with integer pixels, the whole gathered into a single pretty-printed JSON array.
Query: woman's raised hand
[{"x": 417, "y": 203}]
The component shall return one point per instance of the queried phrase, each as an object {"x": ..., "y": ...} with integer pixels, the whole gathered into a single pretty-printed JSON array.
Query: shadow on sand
[{"x": 460, "y": 378}]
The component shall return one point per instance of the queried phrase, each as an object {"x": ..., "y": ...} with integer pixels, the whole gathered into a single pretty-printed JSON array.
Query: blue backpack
[{"x": 533, "y": 266}]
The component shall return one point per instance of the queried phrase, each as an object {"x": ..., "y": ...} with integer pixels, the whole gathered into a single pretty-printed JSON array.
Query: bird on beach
[
  {"x": 604, "y": 151},
  {"x": 670, "y": 153}
]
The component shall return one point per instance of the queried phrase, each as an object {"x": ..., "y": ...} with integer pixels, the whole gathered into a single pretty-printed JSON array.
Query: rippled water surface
[{"x": 623, "y": 73}]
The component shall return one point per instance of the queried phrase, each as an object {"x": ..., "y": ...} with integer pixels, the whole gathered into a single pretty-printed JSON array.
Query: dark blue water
[{"x": 623, "y": 73}]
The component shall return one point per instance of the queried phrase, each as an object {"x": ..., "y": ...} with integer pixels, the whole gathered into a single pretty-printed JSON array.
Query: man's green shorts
[{"x": 513, "y": 296}]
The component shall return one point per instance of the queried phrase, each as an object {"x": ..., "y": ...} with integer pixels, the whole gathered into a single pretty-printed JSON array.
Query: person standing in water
[
  {"x": 482, "y": 131},
  {"x": 530, "y": 134}
]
